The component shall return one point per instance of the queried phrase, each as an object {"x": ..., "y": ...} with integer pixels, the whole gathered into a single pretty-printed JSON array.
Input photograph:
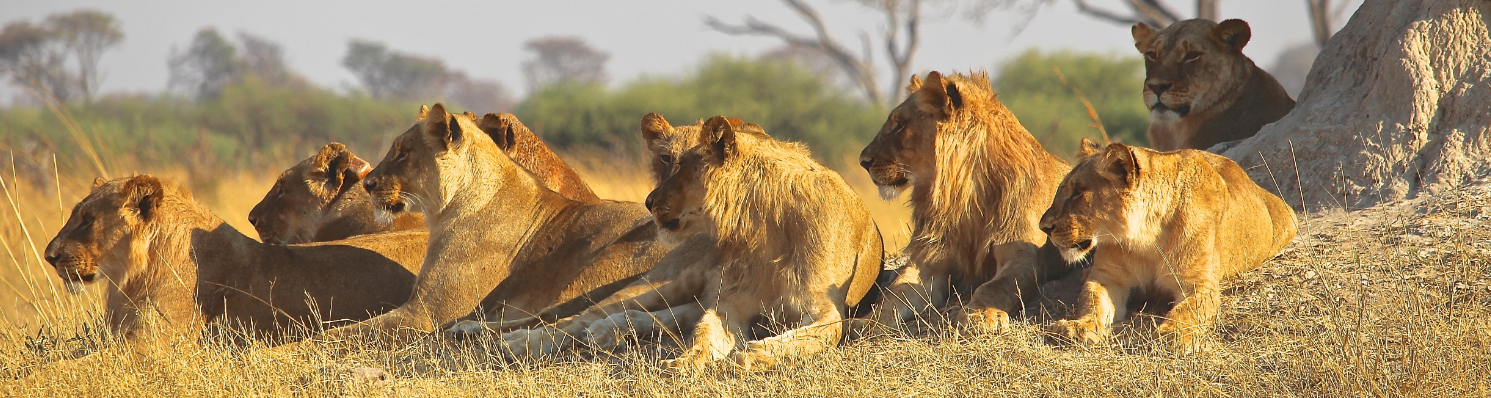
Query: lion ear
[
  {"x": 424, "y": 111},
  {"x": 653, "y": 127},
  {"x": 344, "y": 169},
  {"x": 915, "y": 84},
  {"x": 718, "y": 135},
  {"x": 1234, "y": 33},
  {"x": 1088, "y": 148},
  {"x": 440, "y": 125},
  {"x": 98, "y": 182},
  {"x": 1122, "y": 163},
  {"x": 938, "y": 96},
  {"x": 500, "y": 129},
  {"x": 1143, "y": 36},
  {"x": 142, "y": 193}
]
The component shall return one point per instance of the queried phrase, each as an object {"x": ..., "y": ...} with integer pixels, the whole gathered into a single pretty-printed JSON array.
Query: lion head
[
  {"x": 108, "y": 231},
  {"x": 422, "y": 164},
  {"x": 677, "y": 204},
  {"x": 668, "y": 142},
  {"x": 1092, "y": 198},
  {"x": 905, "y": 149},
  {"x": 293, "y": 210},
  {"x": 1192, "y": 65}
]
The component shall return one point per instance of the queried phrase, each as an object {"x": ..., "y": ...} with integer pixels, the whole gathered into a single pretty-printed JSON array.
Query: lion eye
[
  {"x": 1151, "y": 56},
  {"x": 400, "y": 156},
  {"x": 87, "y": 222},
  {"x": 1192, "y": 56},
  {"x": 666, "y": 159},
  {"x": 898, "y": 127}
]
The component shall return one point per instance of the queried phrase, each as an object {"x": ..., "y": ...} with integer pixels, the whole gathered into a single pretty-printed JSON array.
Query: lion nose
[
  {"x": 648, "y": 203},
  {"x": 1158, "y": 88},
  {"x": 866, "y": 162},
  {"x": 253, "y": 220},
  {"x": 369, "y": 185},
  {"x": 1047, "y": 226},
  {"x": 51, "y": 256}
]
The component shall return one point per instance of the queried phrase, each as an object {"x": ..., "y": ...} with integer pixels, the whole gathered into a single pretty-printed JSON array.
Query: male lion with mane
[
  {"x": 500, "y": 242},
  {"x": 164, "y": 256},
  {"x": 979, "y": 183},
  {"x": 1170, "y": 224},
  {"x": 1199, "y": 87},
  {"x": 793, "y": 242},
  {"x": 315, "y": 200}
]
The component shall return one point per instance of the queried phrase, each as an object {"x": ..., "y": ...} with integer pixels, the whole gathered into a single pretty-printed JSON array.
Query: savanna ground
[{"x": 1387, "y": 301}]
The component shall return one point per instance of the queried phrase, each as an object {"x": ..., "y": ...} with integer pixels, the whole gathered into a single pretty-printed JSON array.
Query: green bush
[
  {"x": 786, "y": 100},
  {"x": 1028, "y": 85}
]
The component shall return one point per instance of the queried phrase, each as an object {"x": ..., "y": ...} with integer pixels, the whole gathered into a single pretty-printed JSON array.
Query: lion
[
  {"x": 663, "y": 300},
  {"x": 979, "y": 182},
  {"x": 313, "y": 202},
  {"x": 793, "y": 242},
  {"x": 162, "y": 255},
  {"x": 1199, "y": 87},
  {"x": 320, "y": 199},
  {"x": 1170, "y": 224},
  {"x": 501, "y": 244}
]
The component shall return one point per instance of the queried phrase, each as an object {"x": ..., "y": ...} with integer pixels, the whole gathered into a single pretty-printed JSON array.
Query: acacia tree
[
  {"x": 87, "y": 34},
  {"x": 563, "y": 60},
  {"x": 207, "y": 65}
]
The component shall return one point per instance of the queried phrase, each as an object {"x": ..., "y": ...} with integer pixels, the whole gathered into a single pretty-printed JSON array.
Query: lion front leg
[
  {"x": 1103, "y": 295},
  {"x": 607, "y": 333},
  {"x": 1198, "y": 299},
  {"x": 821, "y": 327},
  {"x": 720, "y": 331},
  {"x": 916, "y": 291}
]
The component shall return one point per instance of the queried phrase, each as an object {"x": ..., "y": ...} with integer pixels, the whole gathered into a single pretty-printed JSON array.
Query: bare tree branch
[
  {"x": 861, "y": 71},
  {"x": 1151, "y": 12},
  {"x": 1106, "y": 15}
]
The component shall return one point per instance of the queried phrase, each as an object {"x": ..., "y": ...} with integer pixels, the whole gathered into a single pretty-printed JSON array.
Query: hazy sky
[{"x": 653, "y": 37}]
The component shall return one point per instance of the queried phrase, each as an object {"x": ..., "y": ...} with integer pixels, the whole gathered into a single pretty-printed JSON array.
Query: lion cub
[
  {"x": 1174, "y": 223},
  {"x": 793, "y": 242}
]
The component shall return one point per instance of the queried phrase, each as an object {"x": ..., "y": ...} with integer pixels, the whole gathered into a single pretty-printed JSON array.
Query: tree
[
  {"x": 388, "y": 74},
  {"x": 210, "y": 63},
  {"x": 87, "y": 34},
  {"x": 264, "y": 59},
  {"x": 1029, "y": 86},
  {"x": 563, "y": 60},
  {"x": 33, "y": 58},
  {"x": 1323, "y": 18},
  {"x": 477, "y": 95},
  {"x": 1154, "y": 13},
  {"x": 1394, "y": 106},
  {"x": 899, "y": 37}
]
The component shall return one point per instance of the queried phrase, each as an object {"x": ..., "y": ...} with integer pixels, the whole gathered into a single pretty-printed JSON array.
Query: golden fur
[
  {"x": 1170, "y": 224},
  {"x": 321, "y": 199},
  {"x": 500, "y": 243},
  {"x": 768, "y": 206},
  {"x": 314, "y": 201},
  {"x": 1199, "y": 87},
  {"x": 165, "y": 257},
  {"x": 979, "y": 182},
  {"x": 669, "y": 296}
]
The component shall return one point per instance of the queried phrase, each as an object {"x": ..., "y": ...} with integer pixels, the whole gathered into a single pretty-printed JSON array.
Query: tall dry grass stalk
[{"x": 1390, "y": 301}]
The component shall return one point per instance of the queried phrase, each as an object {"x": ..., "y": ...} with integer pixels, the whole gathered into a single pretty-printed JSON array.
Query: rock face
[{"x": 1398, "y": 103}]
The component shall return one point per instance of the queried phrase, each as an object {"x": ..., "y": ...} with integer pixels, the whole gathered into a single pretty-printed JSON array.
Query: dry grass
[{"x": 1390, "y": 301}]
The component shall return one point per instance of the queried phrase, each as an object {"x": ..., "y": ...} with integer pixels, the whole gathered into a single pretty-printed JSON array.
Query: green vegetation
[
  {"x": 1028, "y": 85},
  {"x": 785, "y": 99}
]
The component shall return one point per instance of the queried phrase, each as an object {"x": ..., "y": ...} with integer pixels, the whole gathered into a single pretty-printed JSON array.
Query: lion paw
[
  {"x": 754, "y": 357},
  {"x": 607, "y": 333},
  {"x": 692, "y": 360},
  {"x": 1182, "y": 340},
  {"x": 467, "y": 328},
  {"x": 528, "y": 343},
  {"x": 987, "y": 319},
  {"x": 1073, "y": 332}
]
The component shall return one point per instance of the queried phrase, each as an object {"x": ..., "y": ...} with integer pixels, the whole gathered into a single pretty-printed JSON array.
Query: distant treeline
[{"x": 255, "y": 123}]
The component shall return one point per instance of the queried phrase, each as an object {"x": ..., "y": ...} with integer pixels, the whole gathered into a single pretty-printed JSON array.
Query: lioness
[
  {"x": 495, "y": 232},
  {"x": 163, "y": 255},
  {"x": 320, "y": 199},
  {"x": 793, "y": 241},
  {"x": 1174, "y": 223},
  {"x": 979, "y": 182},
  {"x": 1199, "y": 87},
  {"x": 313, "y": 202}
]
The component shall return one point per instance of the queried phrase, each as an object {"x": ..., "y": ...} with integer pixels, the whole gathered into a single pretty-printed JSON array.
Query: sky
[{"x": 644, "y": 37}]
